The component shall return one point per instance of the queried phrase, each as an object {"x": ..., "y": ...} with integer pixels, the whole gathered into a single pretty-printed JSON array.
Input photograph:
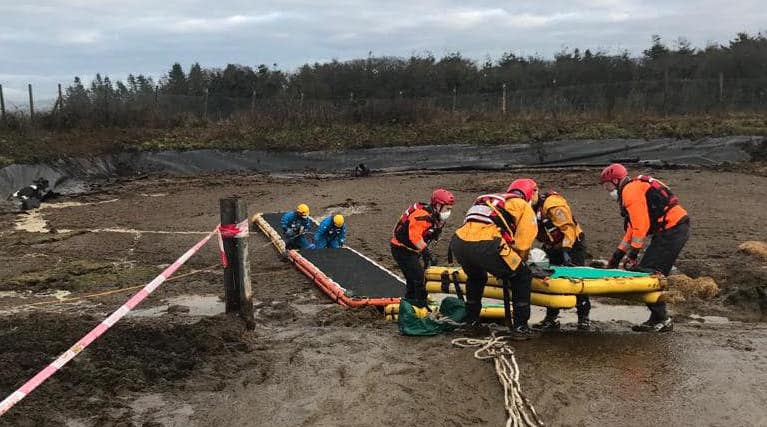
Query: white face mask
[
  {"x": 614, "y": 194},
  {"x": 444, "y": 215}
]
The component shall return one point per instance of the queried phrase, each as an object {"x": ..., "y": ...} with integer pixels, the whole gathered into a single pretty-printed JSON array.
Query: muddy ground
[{"x": 312, "y": 363}]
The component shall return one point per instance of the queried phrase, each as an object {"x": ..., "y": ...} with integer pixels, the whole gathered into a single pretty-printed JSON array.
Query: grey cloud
[{"x": 48, "y": 41}]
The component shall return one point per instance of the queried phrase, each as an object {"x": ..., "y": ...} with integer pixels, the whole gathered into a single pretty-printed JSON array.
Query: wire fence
[{"x": 660, "y": 97}]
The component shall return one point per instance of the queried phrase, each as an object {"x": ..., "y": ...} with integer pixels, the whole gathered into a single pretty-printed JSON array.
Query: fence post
[
  {"x": 106, "y": 105},
  {"x": 455, "y": 91},
  {"x": 237, "y": 288},
  {"x": 665, "y": 92},
  {"x": 2, "y": 104},
  {"x": 31, "y": 103},
  {"x": 61, "y": 99},
  {"x": 503, "y": 100},
  {"x": 253, "y": 102},
  {"x": 721, "y": 88},
  {"x": 205, "y": 105},
  {"x": 156, "y": 94},
  {"x": 301, "y": 102}
]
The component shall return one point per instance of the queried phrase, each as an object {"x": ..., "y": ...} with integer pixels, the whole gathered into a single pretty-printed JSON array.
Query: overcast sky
[{"x": 45, "y": 42}]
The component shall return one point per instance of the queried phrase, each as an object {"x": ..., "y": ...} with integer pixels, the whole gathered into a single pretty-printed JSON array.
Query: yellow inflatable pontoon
[
  {"x": 544, "y": 300},
  {"x": 575, "y": 281}
]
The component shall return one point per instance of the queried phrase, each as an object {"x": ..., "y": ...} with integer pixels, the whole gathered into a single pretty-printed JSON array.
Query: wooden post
[
  {"x": 455, "y": 91},
  {"x": 2, "y": 104},
  {"x": 61, "y": 99},
  {"x": 503, "y": 100},
  {"x": 31, "y": 104},
  {"x": 253, "y": 102},
  {"x": 721, "y": 88},
  {"x": 665, "y": 92},
  {"x": 205, "y": 105},
  {"x": 156, "y": 94},
  {"x": 301, "y": 102},
  {"x": 237, "y": 289}
]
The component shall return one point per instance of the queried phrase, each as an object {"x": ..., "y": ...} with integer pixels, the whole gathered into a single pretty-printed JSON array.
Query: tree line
[
  {"x": 743, "y": 57},
  {"x": 108, "y": 102}
]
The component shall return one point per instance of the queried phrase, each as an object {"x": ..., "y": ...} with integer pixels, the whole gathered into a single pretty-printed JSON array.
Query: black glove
[
  {"x": 616, "y": 259},
  {"x": 631, "y": 259},
  {"x": 540, "y": 272},
  {"x": 566, "y": 258},
  {"x": 428, "y": 257}
]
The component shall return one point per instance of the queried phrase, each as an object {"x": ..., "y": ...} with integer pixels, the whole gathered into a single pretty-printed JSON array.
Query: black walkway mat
[
  {"x": 273, "y": 219},
  {"x": 353, "y": 272}
]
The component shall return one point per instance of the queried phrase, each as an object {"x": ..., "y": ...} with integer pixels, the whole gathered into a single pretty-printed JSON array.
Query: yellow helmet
[
  {"x": 338, "y": 220},
  {"x": 303, "y": 209}
]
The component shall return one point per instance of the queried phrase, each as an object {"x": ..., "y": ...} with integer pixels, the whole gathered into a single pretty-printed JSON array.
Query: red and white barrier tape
[
  {"x": 229, "y": 231},
  {"x": 223, "y": 231}
]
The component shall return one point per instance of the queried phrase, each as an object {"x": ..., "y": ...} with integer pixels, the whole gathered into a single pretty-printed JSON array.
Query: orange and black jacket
[
  {"x": 418, "y": 226},
  {"x": 648, "y": 207}
]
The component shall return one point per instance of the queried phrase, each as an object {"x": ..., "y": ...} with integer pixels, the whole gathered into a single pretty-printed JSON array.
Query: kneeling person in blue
[
  {"x": 331, "y": 233},
  {"x": 296, "y": 225}
]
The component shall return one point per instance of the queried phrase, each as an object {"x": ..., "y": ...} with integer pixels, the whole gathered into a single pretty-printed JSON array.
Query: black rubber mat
[
  {"x": 347, "y": 268},
  {"x": 354, "y": 273},
  {"x": 273, "y": 219}
]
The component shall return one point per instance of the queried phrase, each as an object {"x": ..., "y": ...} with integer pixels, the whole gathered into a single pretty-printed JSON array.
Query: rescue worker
[
  {"x": 295, "y": 226},
  {"x": 496, "y": 237},
  {"x": 564, "y": 243},
  {"x": 331, "y": 233},
  {"x": 649, "y": 209},
  {"x": 32, "y": 195},
  {"x": 420, "y": 225}
]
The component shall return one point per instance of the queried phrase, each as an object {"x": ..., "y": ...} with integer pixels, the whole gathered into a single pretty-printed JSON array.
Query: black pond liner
[{"x": 75, "y": 175}]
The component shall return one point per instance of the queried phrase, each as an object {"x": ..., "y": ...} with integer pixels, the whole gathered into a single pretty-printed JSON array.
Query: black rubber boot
[
  {"x": 666, "y": 325},
  {"x": 520, "y": 330},
  {"x": 523, "y": 332},
  {"x": 550, "y": 322},
  {"x": 473, "y": 308},
  {"x": 584, "y": 324}
]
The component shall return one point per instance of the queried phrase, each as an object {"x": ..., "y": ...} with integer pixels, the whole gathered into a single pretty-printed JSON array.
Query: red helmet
[
  {"x": 524, "y": 185},
  {"x": 442, "y": 197},
  {"x": 613, "y": 173}
]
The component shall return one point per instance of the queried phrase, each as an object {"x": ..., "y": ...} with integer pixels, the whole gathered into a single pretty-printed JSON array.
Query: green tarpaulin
[
  {"x": 592, "y": 273},
  {"x": 451, "y": 312}
]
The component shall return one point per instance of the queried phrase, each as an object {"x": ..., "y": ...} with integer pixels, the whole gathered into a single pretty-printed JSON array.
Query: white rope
[{"x": 520, "y": 411}]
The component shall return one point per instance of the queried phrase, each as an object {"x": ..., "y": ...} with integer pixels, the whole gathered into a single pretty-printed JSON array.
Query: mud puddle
[
  {"x": 18, "y": 301},
  {"x": 32, "y": 221},
  {"x": 191, "y": 305},
  {"x": 715, "y": 320},
  {"x": 601, "y": 312}
]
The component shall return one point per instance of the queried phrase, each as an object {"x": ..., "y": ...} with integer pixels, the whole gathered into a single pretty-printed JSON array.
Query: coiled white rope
[{"x": 520, "y": 411}]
